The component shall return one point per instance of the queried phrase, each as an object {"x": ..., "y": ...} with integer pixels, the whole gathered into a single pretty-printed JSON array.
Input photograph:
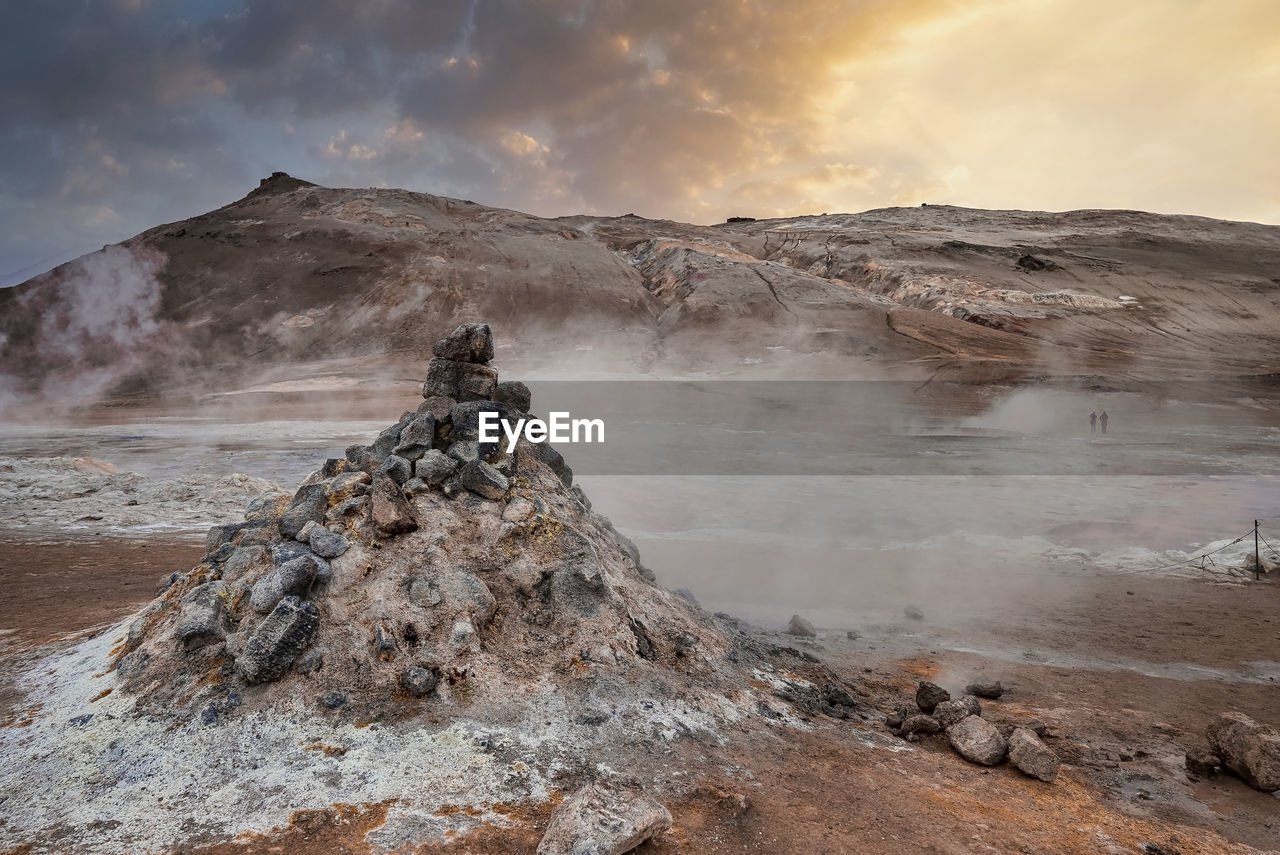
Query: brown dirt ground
[{"x": 1121, "y": 733}]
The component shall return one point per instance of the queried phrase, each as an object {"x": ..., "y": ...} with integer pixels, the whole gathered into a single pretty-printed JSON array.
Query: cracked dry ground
[{"x": 1126, "y": 672}]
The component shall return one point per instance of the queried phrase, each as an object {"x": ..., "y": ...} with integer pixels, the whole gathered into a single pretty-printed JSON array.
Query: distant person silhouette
[
  {"x": 1104, "y": 418},
  {"x": 1093, "y": 423}
]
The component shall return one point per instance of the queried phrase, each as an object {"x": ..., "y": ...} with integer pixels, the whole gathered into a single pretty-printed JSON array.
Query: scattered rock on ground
[
  {"x": 603, "y": 820},
  {"x": 989, "y": 690},
  {"x": 978, "y": 741},
  {"x": 929, "y": 695},
  {"x": 919, "y": 723},
  {"x": 1248, "y": 748},
  {"x": 949, "y": 712},
  {"x": 913, "y": 613},
  {"x": 1201, "y": 761},
  {"x": 1032, "y": 756},
  {"x": 801, "y": 627}
]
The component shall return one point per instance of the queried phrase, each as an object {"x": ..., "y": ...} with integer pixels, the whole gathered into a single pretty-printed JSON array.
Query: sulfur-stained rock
[
  {"x": 603, "y": 820},
  {"x": 204, "y": 619},
  {"x": 278, "y": 640}
]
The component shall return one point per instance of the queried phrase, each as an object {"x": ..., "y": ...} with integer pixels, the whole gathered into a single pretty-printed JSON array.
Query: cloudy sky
[{"x": 121, "y": 114}]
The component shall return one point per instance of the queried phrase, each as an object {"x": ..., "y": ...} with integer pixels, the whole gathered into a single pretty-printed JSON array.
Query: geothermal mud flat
[{"x": 484, "y": 647}]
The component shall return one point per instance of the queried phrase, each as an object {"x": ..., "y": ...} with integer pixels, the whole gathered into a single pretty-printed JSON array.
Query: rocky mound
[{"x": 502, "y": 639}]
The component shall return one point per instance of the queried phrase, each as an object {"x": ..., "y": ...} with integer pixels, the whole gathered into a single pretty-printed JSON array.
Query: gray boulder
[
  {"x": 327, "y": 544},
  {"x": 204, "y": 618},
  {"x": 991, "y": 691},
  {"x": 246, "y": 560},
  {"x": 309, "y": 503},
  {"x": 461, "y": 381},
  {"x": 801, "y": 627},
  {"x": 1032, "y": 756},
  {"x": 603, "y": 820},
  {"x": 435, "y": 467},
  {"x": 950, "y": 712},
  {"x": 418, "y": 681},
  {"x": 397, "y": 467},
  {"x": 278, "y": 640},
  {"x": 483, "y": 480},
  {"x": 465, "y": 419},
  {"x": 1247, "y": 748},
  {"x": 978, "y": 741},
  {"x": 293, "y": 578},
  {"x": 929, "y": 695},
  {"x": 438, "y": 406},
  {"x": 392, "y": 513},
  {"x": 514, "y": 394},
  {"x": 417, "y": 437},
  {"x": 468, "y": 343}
]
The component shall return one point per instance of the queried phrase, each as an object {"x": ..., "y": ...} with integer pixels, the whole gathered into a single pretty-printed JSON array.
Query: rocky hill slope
[{"x": 296, "y": 279}]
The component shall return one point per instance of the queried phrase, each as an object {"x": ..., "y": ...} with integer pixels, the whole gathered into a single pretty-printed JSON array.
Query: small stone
[
  {"x": 309, "y": 662},
  {"x": 392, "y": 513},
  {"x": 1032, "y": 756},
  {"x": 304, "y": 536},
  {"x": 1202, "y": 762},
  {"x": 518, "y": 510},
  {"x": 801, "y": 627},
  {"x": 978, "y": 741},
  {"x": 245, "y": 560},
  {"x": 468, "y": 343},
  {"x": 293, "y": 578},
  {"x": 514, "y": 394},
  {"x": 990, "y": 691},
  {"x": 950, "y": 712},
  {"x": 929, "y": 695},
  {"x": 384, "y": 643},
  {"x": 435, "y": 467},
  {"x": 418, "y": 681},
  {"x": 465, "y": 450},
  {"x": 603, "y": 820},
  {"x": 417, "y": 437},
  {"x": 483, "y": 480},
  {"x": 919, "y": 723},
  {"x": 852, "y": 635},
  {"x": 1037, "y": 727},
  {"x": 913, "y": 613},
  {"x": 278, "y": 640},
  {"x": 309, "y": 503},
  {"x": 327, "y": 544},
  {"x": 332, "y": 700}
]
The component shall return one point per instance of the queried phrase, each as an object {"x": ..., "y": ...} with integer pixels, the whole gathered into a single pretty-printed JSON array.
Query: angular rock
[
  {"x": 219, "y": 535},
  {"x": 304, "y": 536},
  {"x": 388, "y": 439},
  {"x": 268, "y": 506},
  {"x": 991, "y": 691},
  {"x": 548, "y": 456},
  {"x": 293, "y": 578},
  {"x": 483, "y": 480},
  {"x": 465, "y": 420},
  {"x": 467, "y": 343},
  {"x": 438, "y": 406},
  {"x": 603, "y": 820},
  {"x": 1032, "y": 756},
  {"x": 919, "y": 723},
  {"x": 327, "y": 544},
  {"x": 353, "y": 507},
  {"x": 417, "y": 437},
  {"x": 950, "y": 712},
  {"x": 283, "y": 553},
  {"x": 978, "y": 741},
  {"x": 309, "y": 503},
  {"x": 1037, "y": 727},
  {"x": 466, "y": 450},
  {"x": 913, "y": 613},
  {"x": 418, "y": 681},
  {"x": 929, "y": 695},
  {"x": 435, "y": 467},
  {"x": 392, "y": 513},
  {"x": 246, "y": 560},
  {"x": 1248, "y": 748},
  {"x": 204, "y": 619},
  {"x": 278, "y": 640},
  {"x": 801, "y": 627},
  {"x": 1202, "y": 762},
  {"x": 462, "y": 381},
  {"x": 397, "y": 467},
  {"x": 514, "y": 394}
]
